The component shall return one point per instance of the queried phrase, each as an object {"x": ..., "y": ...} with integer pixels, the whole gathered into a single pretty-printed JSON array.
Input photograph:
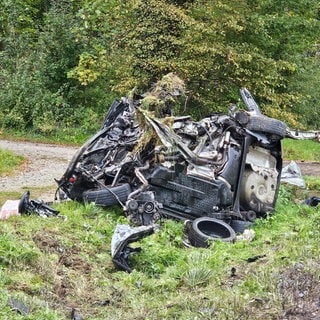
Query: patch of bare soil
[
  {"x": 308, "y": 168},
  {"x": 299, "y": 290},
  {"x": 44, "y": 163}
]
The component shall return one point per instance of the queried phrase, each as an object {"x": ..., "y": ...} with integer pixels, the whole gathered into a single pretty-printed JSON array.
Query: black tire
[
  {"x": 108, "y": 196},
  {"x": 23, "y": 203},
  {"x": 205, "y": 229},
  {"x": 267, "y": 125},
  {"x": 239, "y": 225}
]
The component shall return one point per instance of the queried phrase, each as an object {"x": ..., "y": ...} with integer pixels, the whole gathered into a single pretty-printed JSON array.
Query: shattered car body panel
[
  {"x": 122, "y": 237},
  {"x": 223, "y": 166}
]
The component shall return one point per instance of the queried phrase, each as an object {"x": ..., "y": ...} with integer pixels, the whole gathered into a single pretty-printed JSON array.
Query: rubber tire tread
[
  {"x": 199, "y": 239},
  {"x": 268, "y": 125},
  {"x": 106, "y": 197},
  {"x": 239, "y": 225}
]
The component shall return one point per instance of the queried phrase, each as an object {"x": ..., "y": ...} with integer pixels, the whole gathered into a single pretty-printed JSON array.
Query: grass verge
[
  {"x": 56, "y": 264},
  {"x": 69, "y": 136},
  {"x": 51, "y": 266}
]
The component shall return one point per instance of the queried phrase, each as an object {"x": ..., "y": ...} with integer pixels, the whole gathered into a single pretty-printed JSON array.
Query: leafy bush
[{"x": 60, "y": 58}]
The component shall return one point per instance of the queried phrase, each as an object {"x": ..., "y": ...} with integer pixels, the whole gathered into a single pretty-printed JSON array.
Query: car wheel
[
  {"x": 108, "y": 196},
  {"x": 204, "y": 230},
  {"x": 268, "y": 125},
  {"x": 239, "y": 225}
]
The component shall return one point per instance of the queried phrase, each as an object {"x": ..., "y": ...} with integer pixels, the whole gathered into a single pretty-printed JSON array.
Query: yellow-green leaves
[{"x": 87, "y": 69}]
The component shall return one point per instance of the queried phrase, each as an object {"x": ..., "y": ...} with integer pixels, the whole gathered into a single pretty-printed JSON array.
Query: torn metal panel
[
  {"x": 122, "y": 237},
  {"x": 292, "y": 174},
  {"x": 303, "y": 135},
  {"x": 27, "y": 206}
]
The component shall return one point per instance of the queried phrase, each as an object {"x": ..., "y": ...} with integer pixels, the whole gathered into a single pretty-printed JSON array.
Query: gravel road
[{"x": 44, "y": 163}]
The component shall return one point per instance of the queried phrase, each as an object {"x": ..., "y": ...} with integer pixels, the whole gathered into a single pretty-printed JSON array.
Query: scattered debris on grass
[
  {"x": 312, "y": 201},
  {"x": 26, "y": 206},
  {"x": 18, "y": 306},
  {"x": 292, "y": 174},
  {"x": 122, "y": 237},
  {"x": 218, "y": 174},
  {"x": 221, "y": 172}
]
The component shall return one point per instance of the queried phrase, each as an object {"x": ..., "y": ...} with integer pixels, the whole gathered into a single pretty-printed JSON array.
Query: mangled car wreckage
[{"x": 223, "y": 168}]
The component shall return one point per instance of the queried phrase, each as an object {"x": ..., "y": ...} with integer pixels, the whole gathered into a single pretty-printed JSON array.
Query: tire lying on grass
[
  {"x": 205, "y": 230},
  {"x": 108, "y": 196}
]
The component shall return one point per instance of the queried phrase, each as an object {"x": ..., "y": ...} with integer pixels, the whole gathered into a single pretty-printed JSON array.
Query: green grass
[
  {"x": 71, "y": 136},
  {"x": 53, "y": 265},
  {"x": 303, "y": 150},
  {"x": 9, "y": 162}
]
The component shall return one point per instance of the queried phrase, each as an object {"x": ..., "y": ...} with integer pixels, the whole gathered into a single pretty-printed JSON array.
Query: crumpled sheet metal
[
  {"x": 303, "y": 135},
  {"x": 292, "y": 174},
  {"x": 122, "y": 236}
]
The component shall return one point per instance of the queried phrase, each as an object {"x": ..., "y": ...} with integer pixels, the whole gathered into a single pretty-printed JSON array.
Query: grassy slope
[{"x": 55, "y": 264}]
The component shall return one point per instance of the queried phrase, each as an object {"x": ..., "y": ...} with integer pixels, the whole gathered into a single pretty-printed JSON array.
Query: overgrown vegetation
[{"x": 63, "y": 62}]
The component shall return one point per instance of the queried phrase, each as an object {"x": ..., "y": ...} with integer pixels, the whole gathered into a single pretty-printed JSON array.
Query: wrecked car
[{"x": 222, "y": 170}]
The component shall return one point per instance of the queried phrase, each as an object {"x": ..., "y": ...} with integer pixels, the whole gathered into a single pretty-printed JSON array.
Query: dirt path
[
  {"x": 44, "y": 163},
  {"x": 307, "y": 168}
]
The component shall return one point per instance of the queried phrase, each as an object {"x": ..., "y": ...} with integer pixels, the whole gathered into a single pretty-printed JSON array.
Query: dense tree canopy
[{"x": 64, "y": 61}]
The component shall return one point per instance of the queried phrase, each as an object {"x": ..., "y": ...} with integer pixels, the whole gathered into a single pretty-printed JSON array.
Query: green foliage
[
  {"x": 36, "y": 92},
  {"x": 153, "y": 38},
  {"x": 238, "y": 34},
  {"x": 306, "y": 82},
  {"x": 9, "y": 161},
  {"x": 62, "y": 60}
]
